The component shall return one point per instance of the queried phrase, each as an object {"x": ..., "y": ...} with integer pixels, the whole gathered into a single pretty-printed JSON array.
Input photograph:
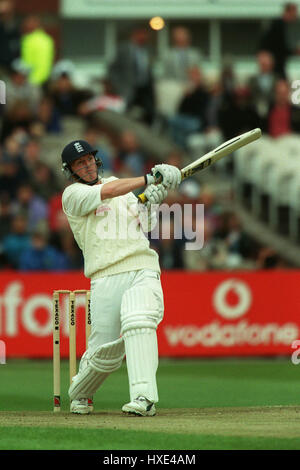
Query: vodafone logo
[
  {"x": 33, "y": 313},
  {"x": 232, "y": 299}
]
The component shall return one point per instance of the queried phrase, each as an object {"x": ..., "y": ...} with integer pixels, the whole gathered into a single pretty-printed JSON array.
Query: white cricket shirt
[{"x": 108, "y": 232}]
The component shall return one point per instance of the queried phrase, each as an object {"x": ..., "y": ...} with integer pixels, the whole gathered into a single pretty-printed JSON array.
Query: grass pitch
[{"x": 204, "y": 404}]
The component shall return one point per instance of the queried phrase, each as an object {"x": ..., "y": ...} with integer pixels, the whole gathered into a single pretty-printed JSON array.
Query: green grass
[
  {"x": 233, "y": 382},
  {"x": 27, "y": 386},
  {"x": 79, "y": 439}
]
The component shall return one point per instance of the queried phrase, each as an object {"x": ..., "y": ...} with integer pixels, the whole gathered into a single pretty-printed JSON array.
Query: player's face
[{"x": 85, "y": 167}]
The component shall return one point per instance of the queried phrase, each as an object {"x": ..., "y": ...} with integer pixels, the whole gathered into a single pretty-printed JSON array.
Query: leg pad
[{"x": 96, "y": 368}]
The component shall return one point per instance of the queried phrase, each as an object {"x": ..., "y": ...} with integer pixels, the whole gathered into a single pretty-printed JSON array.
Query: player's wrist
[{"x": 149, "y": 179}]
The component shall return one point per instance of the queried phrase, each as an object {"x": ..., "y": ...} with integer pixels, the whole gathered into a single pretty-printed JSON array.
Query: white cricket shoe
[
  {"x": 80, "y": 406},
  {"x": 140, "y": 407}
]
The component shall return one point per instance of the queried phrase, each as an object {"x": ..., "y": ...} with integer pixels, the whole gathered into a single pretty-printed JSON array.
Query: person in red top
[{"x": 283, "y": 117}]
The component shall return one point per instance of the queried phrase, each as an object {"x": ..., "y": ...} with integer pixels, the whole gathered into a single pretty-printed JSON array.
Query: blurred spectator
[
  {"x": 227, "y": 248},
  {"x": 239, "y": 245},
  {"x": 43, "y": 181},
  {"x": 37, "y": 50},
  {"x": 216, "y": 95},
  {"x": 174, "y": 157},
  {"x": 99, "y": 141},
  {"x": 170, "y": 87},
  {"x": 63, "y": 241},
  {"x": 203, "y": 258},
  {"x": 130, "y": 75},
  {"x": 283, "y": 117},
  {"x": 33, "y": 207},
  {"x": 262, "y": 84},
  {"x": 65, "y": 95},
  {"x": 48, "y": 116},
  {"x": 188, "y": 196},
  {"x": 22, "y": 99},
  {"x": 40, "y": 256},
  {"x": 212, "y": 208},
  {"x": 20, "y": 136},
  {"x": 61, "y": 236},
  {"x": 5, "y": 215},
  {"x": 190, "y": 191},
  {"x": 275, "y": 39},
  {"x": 36, "y": 130},
  {"x": 63, "y": 67},
  {"x": 239, "y": 115},
  {"x": 56, "y": 216},
  {"x": 228, "y": 78},
  {"x": 12, "y": 150},
  {"x": 269, "y": 259},
  {"x": 16, "y": 241},
  {"x": 202, "y": 142},
  {"x": 31, "y": 155},
  {"x": 12, "y": 168},
  {"x": 181, "y": 57},
  {"x": 130, "y": 160},
  {"x": 9, "y": 34},
  {"x": 107, "y": 100},
  {"x": 11, "y": 177},
  {"x": 223, "y": 94},
  {"x": 170, "y": 249},
  {"x": 191, "y": 116},
  {"x": 170, "y": 254}
]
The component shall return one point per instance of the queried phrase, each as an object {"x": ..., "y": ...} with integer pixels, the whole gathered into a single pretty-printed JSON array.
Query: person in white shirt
[
  {"x": 108, "y": 223},
  {"x": 181, "y": 56}
]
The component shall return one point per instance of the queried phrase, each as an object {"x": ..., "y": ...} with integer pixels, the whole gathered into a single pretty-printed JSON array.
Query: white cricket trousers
[{"x": 130, "y": 305}]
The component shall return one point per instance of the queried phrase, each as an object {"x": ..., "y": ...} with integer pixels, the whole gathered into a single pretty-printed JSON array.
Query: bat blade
[
  {"x": 212, "y": 157},
  {"x": 222, "y": 151}
]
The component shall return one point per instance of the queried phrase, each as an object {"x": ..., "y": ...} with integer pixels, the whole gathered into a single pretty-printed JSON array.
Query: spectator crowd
[{"x": 41, "y": 92}]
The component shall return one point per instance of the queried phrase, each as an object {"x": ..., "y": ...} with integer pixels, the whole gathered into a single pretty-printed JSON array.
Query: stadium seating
[{"x": 271, "y": 169}]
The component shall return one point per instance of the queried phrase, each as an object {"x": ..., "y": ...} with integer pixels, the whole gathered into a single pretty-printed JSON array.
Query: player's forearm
[{"x": 121, "y": 186}]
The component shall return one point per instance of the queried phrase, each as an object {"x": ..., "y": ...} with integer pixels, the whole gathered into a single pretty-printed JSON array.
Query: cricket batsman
[{"x": 109, "y": 224}]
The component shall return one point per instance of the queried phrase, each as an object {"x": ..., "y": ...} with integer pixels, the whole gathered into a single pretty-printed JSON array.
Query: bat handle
[
  {"x": 158, "y": 179},
  {"x": 142, "y": 198}
]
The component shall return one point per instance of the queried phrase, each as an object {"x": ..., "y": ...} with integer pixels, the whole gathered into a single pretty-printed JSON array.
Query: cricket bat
[{"x": 213, "y": 156}]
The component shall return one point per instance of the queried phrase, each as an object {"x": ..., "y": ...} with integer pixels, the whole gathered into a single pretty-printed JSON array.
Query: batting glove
[
  {"x": 171, "y": 175},
  {"x": 155, "y": 194}
]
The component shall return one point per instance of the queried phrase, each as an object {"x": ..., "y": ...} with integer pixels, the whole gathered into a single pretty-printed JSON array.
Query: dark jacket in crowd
[
  {"x": 275, "y": 41},
  {"x": 195, "y": 104},
  {"x": 9, "y": 43}
]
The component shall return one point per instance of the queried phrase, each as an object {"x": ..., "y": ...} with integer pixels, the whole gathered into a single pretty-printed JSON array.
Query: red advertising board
[
  {"x": 230, "y": 314},
  {"x": 206, "y": 314}
]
